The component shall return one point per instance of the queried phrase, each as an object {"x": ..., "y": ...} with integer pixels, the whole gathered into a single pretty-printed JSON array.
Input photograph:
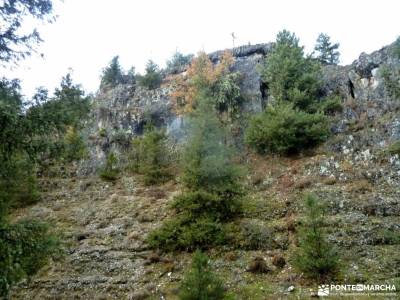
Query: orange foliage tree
[{"x": 204, "y": 78}]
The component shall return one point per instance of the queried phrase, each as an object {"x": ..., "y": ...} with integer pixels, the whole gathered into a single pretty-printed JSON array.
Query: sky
[{"x": 88, "y": 33}]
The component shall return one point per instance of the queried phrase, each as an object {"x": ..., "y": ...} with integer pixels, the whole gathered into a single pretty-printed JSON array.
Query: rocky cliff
[
  {"x": 105, "y": 225},
  {"x": 121, "y": 112}
]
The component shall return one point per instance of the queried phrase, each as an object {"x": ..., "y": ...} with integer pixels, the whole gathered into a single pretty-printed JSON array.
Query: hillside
[{"x": 105, "y": 224}]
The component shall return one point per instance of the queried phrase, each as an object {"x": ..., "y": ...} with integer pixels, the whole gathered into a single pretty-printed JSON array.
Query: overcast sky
[{"x": 88, "y": 33}]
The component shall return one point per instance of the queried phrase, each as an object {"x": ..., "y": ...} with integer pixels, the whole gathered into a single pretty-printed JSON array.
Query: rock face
[
  {"x": 243, "y": 51},
  {"x": 361, "y": 80},
  {"x": 126, "y": 107},
  {"x": 121, "y": 112}
]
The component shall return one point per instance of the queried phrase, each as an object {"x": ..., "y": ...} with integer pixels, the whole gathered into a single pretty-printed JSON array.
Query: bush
[
  {"x": 255, "y": 236},
  {"x": 18, "y": 183},
  {"x": 198, "y": 223},
  {"x": 178, "y": 62},
  {"x": 185, "y": 233},
  {"x": 102, "y": 132},
  {"x": 284, "y": 130},
  {"x": 110, "y": 170},
  {"x": 152, "y": 78},
  {"x": 391, "y": 237},
  {"x": 202, "y": 203},
  {"x": 149, "y": 156},
  {"x": 315, "y": 257},
  {"x": 330, "y": 105},
  {"x": 121, "y": 138},
  {"x": 25, "y": 247},
  {"x": 75, "y": 148},
  {"x": 200, "y": 283},
  {"x": 394, "y": 148}
]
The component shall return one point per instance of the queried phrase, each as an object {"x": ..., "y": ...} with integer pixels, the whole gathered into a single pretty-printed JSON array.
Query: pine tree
[
  {"x": 130, "y": 77},
  {"x": 15, "y": 43},
  {"x": 150, "y": 156},
  {"x": 178, "y": 62},
  {"x": 75, "y": 147},
  {"x": 200, "y": 283},
  {"x": 212, "y": 194},
  {"x": 315, "y": 257},
  {"x": 152, "y": 78},
  {"x": 290, "y": 75},
  {"x": 207, "y": 157},
  {"x": 327, "y": 53},
  {"x": 110, "y": 170},
  {"x": 112, "y": 75}
]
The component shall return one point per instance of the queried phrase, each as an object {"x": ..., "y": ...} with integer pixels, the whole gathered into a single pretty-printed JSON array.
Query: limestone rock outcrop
[{"x": 120, "y": 113}]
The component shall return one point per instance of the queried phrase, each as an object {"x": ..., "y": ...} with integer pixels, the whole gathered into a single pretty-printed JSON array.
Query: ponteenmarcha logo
[
  {"x": 323, "y": 290},
  {"x": 370, "y": 289}
]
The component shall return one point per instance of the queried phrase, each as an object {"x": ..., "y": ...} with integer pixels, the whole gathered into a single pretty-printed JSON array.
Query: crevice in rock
[
  {"x": 351, "y": 88},
  {"x": 139, "y": 128},
  {"x": 264, "y": 94}
]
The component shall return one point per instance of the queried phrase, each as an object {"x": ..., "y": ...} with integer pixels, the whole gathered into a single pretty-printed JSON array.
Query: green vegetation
[
  {"x": 102, "y": 132},
  {"x": 210, "y": 211},
  {"x": 315, "y": 256},
  {"x": 391, "y": 78},
  {"x": 120, "y": 137},
  {"x": 330, "y": 105},
  {"x": 149, "y": 156},
  {"x": 75, "y": 148},
  {"x": 227, "y": 93},
  {"x": 25, "y": 247},
  {"x": 391, "y": 237},
  {"x": 152, "y": 78},
  {"x": 285, "y": 130},
  {"x": 18, "y": 184},
  {"x": 16, "y": 44},
  {"x": 31, "y": 135},
  {"x": 178, "y": 62},
  {"x": 254, "y": 235},
  {"x": 50, "y": 119},
  {"x": 293, "y": 121},
  {"x": 290, "y": 76},
  {"x": 326, "y": 52},
  {"x": 110, "y": 170},
  {"x": 207, "y": 159},
  {"x": 213, "y": 194},
  {"x": 200, "y": 283},
  {"x": 391, "y": 74},
  {"x": 25, "y": 128},
  {"x": 113, "y": 74},
  {"x": 215, "y": 82},
  {"x": 396, "y": 48},
  {"x": 394, "y": 148},
  {"x": 184, "y": 233}
]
